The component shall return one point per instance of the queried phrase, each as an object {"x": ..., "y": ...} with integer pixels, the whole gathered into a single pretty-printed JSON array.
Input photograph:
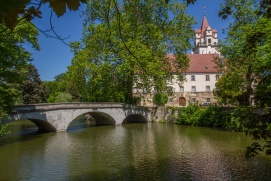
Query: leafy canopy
[{"x": 125, "y": 47}]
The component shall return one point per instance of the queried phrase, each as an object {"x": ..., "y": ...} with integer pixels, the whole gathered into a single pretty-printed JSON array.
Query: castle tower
[{"x": 206, "y": 40}]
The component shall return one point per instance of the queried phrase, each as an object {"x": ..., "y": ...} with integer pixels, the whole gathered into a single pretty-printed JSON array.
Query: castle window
[
  {"x": 209, "y": 41},
  {"x": 193, "y": 100},
  {"x": 181, "y": 89},
  {"x": 193, "y": 88},
  {"x": 208, "y": 100},
  {"x": 193, "y": 78},
  {"x": 207, "y": 77},
  {"x": 208, "y": 88}
]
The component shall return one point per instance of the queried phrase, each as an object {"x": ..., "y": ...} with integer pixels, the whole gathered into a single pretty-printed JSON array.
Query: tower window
[
  {"x": 209, "y": 40},
  {"x": 208, "y": 89}
]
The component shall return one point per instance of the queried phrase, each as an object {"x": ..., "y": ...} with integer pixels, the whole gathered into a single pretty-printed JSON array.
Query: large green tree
[
  {"x": 33, "y": 89},
  {"x": 13, "y": 61},
  {"x": 125, "y": 44},
  {"x": 247, "y": 63}
]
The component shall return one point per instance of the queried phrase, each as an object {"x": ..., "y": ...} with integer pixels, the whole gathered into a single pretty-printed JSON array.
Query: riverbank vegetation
[
  {"x": 255, "y": 122},
  {"x": 246, "y": 67}
]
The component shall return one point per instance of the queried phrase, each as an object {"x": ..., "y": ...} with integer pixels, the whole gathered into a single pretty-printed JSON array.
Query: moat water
[{"x": 149, "y": 151}]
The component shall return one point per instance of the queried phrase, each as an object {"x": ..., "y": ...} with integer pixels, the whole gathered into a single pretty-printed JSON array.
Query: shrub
[
  {"x": 210, "y": 116},
  {"x": 160, "y": 99}
]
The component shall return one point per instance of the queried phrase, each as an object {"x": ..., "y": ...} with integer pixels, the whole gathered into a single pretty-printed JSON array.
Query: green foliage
[
  {"x": 246, "y": 78},
  {"x": 3, "y": 130},
  {"x": 256, "y": 122},
  {"x": 162, "y": 121},
  {"x": 58, "y": 90},
  {"x": 12, "y": 10},
  {"x": 190, "y": 115},
  {"x": 33, "y": 89},
  {"x": 13, "y": 62},
  {"x": 213, "y": 116},
  {"x": 125, "y": 47},
  {"x": 63, "y": 97},
  {"x": 247, "y": 56},
  {"x": 160, "y": 99}
]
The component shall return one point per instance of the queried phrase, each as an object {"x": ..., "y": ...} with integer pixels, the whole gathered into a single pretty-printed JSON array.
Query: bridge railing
[{"x": 71, "y": 105}]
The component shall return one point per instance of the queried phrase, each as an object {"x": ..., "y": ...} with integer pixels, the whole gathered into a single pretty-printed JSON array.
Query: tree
[
  {"x": 126, "y": 45},
  {"x": 246, "y": 52},
  {"x": 33, "y": 89},
  {"x": 58, "y": 89},
  {"x": 13, "y": 61}
]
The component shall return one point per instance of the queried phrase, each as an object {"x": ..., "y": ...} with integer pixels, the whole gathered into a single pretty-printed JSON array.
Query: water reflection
[{"x": 132, "y": 152}]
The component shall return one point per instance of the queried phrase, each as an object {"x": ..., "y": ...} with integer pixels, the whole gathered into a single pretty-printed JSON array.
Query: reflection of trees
[{"x": 132, "y": 152}]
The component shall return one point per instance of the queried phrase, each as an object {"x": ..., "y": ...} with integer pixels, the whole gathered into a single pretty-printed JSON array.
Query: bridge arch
[
  {"x": 101, "y": 118},
  {"x": 132, "y": 118},
  {"x": 41, "y": 124}
]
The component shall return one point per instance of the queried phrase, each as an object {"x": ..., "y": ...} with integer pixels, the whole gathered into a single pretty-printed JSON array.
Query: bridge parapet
[{"x": 73, "y": 105}]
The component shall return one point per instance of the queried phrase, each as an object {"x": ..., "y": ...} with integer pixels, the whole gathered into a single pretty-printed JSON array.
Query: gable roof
[
  {"x": 199, "y": 63},
  {"x": 202, "y": 63}
]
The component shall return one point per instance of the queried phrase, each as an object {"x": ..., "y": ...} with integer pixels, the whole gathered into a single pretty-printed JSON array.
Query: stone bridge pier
[{"x": 57, "y": 117}]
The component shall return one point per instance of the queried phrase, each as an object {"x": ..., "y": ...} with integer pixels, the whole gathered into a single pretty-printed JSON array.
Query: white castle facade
[{"x": 201, "y": 75}]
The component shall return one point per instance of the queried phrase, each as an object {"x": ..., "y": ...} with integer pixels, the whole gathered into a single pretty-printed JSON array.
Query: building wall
[{"x": 199, "y": 96}]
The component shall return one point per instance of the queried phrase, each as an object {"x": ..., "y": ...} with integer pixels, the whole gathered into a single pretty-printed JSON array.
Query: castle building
[{"x": 201, "y": 75}]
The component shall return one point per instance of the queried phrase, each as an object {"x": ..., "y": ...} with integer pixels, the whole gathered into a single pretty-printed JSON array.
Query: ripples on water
[{"x": 130, "y": 152}]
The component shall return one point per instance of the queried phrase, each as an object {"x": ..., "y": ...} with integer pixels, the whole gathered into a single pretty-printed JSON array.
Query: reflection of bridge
[{"x": 57, "y": 117}]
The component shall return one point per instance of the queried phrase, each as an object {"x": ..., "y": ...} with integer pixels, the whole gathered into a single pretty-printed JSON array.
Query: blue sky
[{"x": 55, "y": 56}]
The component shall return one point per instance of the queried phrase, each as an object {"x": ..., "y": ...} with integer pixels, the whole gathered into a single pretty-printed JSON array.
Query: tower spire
[{"x": 204, "y": 7}]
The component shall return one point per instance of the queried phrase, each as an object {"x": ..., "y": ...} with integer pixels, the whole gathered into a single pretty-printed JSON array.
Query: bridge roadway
[{"x": 57, "y": 117}]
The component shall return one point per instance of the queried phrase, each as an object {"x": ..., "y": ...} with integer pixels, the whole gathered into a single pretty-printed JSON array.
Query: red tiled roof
[
  {"x": 199, "y": 63},
  {"x": 202, "y": 63}
]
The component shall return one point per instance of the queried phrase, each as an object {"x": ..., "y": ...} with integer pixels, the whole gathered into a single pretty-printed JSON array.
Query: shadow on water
[
  {"x": 22, "y": 130},
  {"x": 23, "y": 136}
]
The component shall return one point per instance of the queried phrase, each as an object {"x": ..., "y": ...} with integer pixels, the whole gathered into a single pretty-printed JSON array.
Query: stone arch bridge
[{"x": 57, "y": 117}]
